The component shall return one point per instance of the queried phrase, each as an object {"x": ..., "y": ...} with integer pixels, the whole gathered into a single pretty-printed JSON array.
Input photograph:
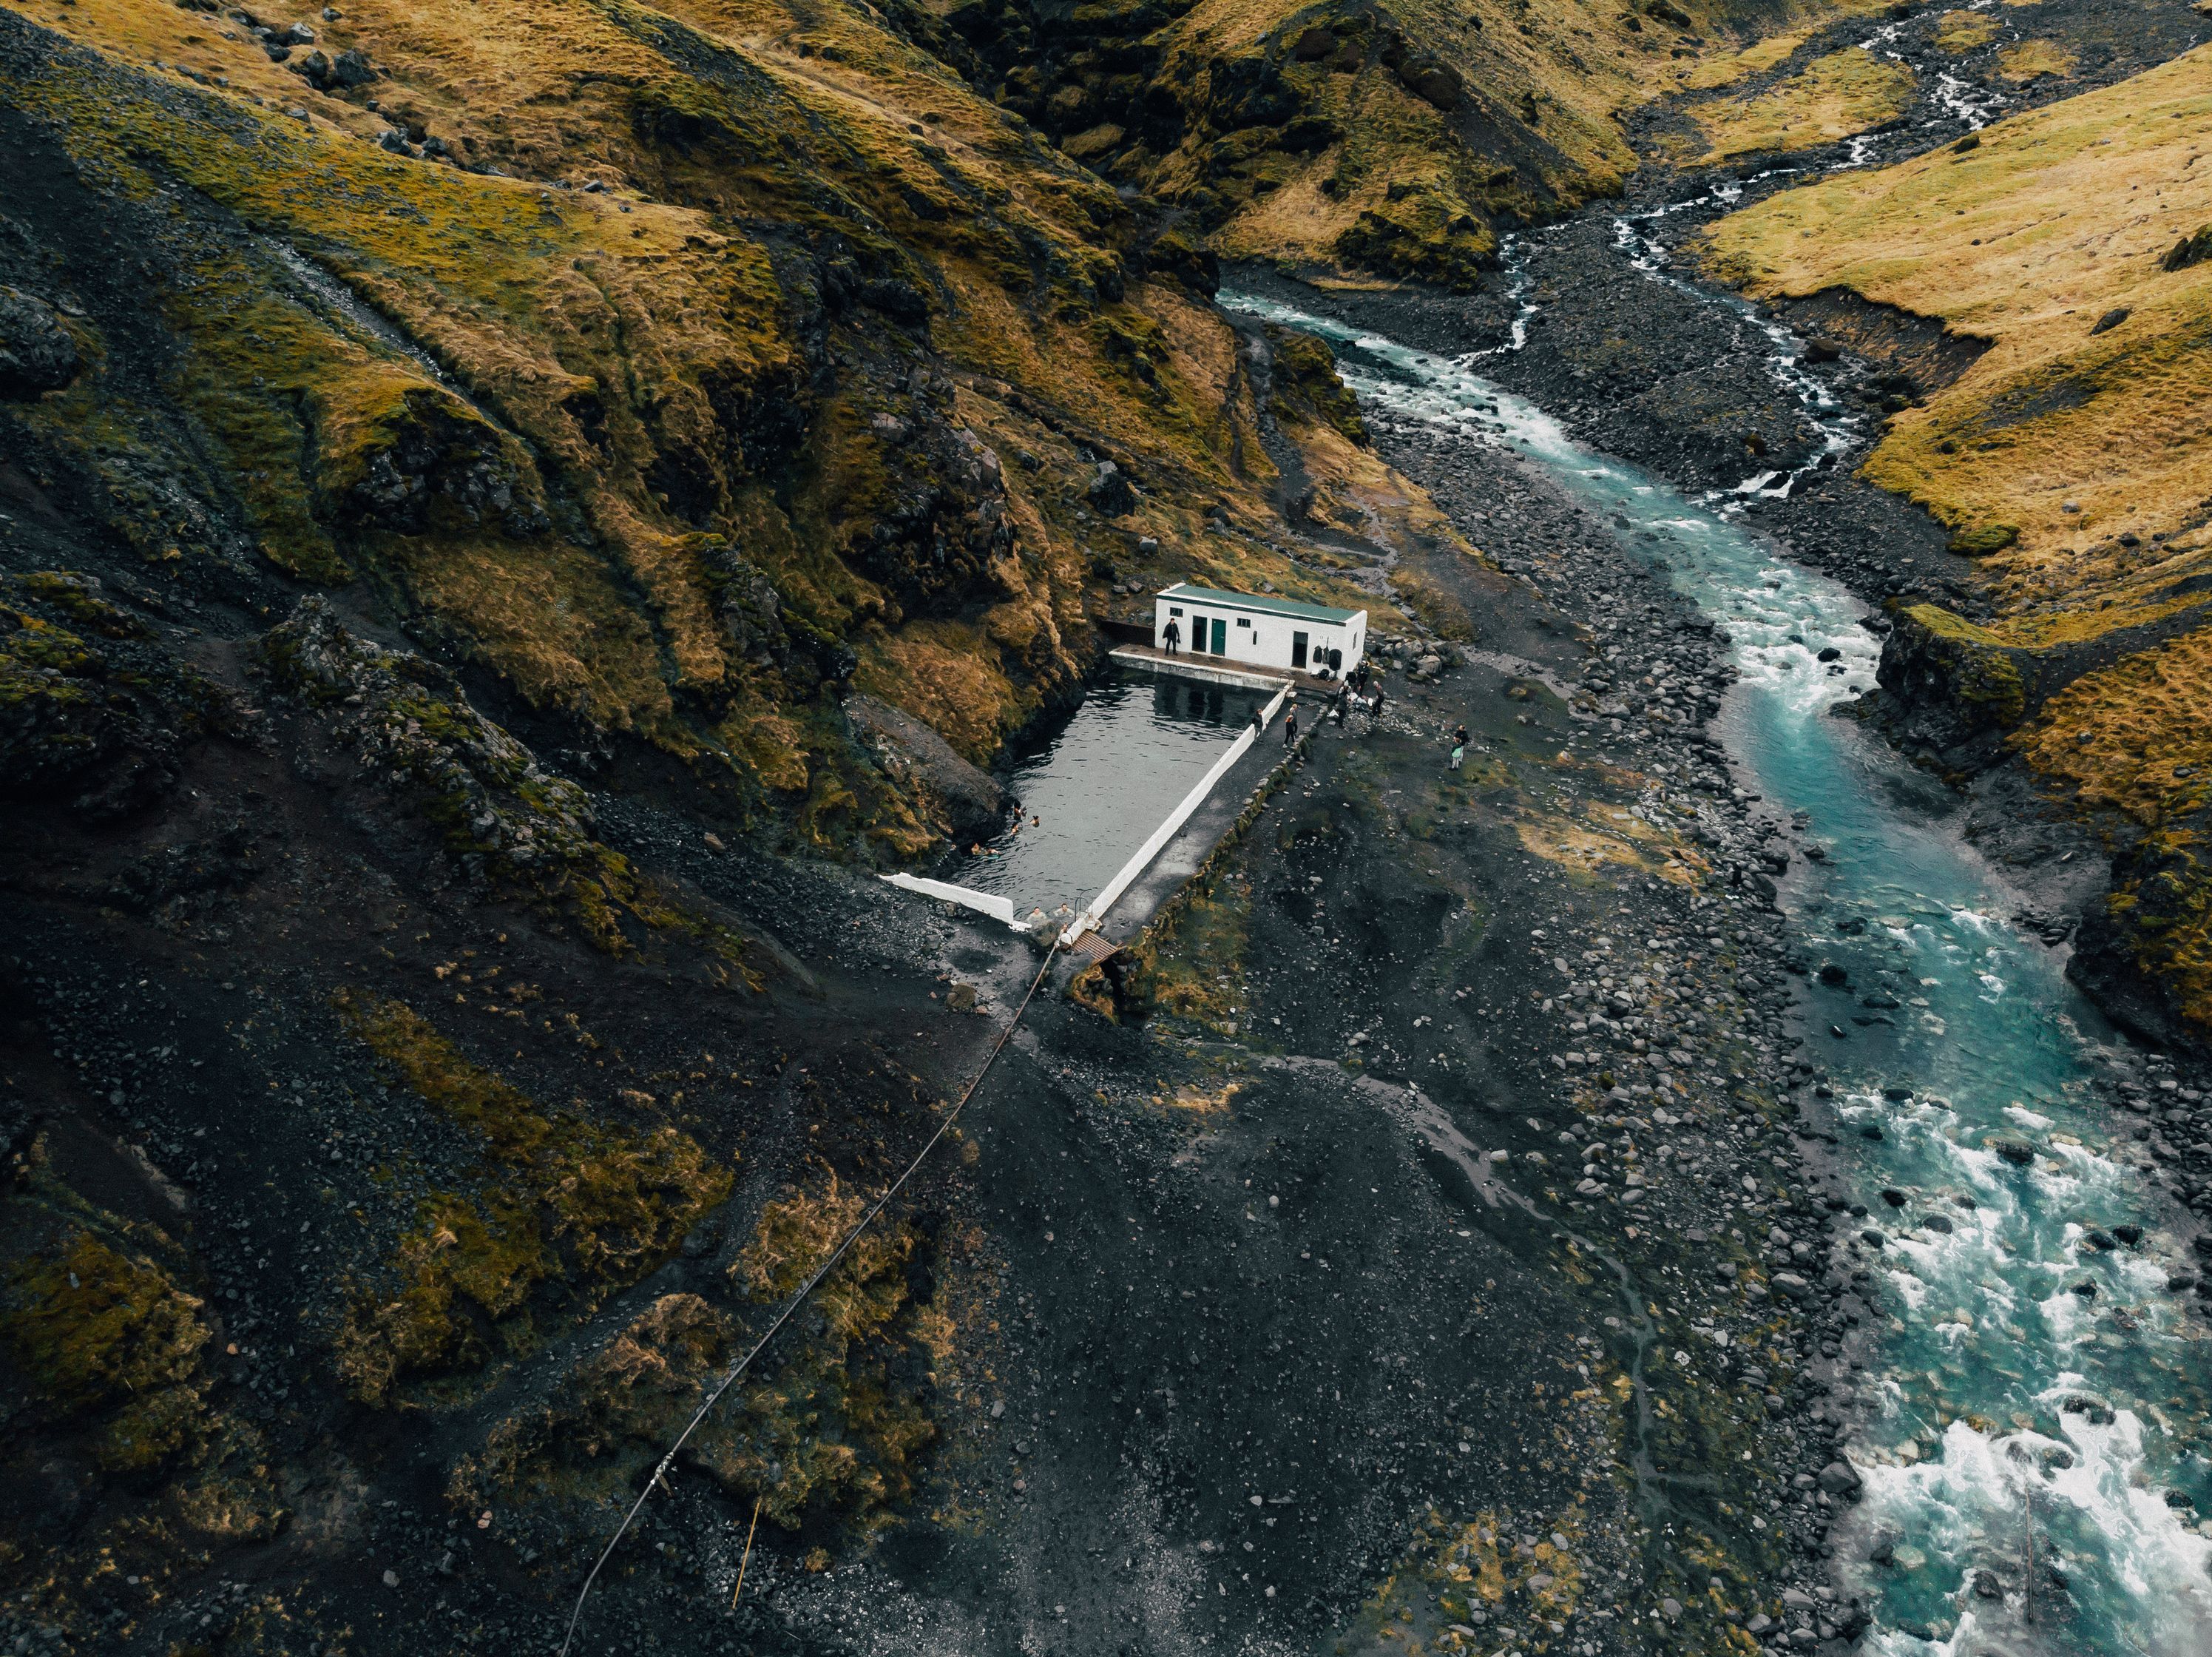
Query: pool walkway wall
[{"x": 1093, "y": 917}]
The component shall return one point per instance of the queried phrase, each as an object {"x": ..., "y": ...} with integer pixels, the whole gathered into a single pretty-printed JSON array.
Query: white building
[{"x": 1267, "y": 632}]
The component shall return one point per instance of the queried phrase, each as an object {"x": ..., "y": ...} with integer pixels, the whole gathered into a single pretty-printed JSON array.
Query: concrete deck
[{"x": 1216, "y": 670}]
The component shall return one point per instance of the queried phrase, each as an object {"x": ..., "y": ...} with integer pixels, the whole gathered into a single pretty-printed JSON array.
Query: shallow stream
[{"x": 2005, "y": 1402}]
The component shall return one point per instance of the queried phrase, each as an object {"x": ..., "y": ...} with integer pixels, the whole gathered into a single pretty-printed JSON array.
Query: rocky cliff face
[
  {"x": 672, "y": 373},
  {"x": 1396, "y": 139}
]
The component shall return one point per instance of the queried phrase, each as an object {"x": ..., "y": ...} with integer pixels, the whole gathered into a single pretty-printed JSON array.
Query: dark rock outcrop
[
  {"x": 968, "y": 800},
  {"x": 36, "y": 352}
]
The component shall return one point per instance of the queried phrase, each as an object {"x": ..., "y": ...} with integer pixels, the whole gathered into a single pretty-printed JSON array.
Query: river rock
[{"x": 1840, "y": 1478}]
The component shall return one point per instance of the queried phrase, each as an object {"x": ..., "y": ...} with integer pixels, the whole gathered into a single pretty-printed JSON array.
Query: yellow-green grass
[
  {"x": 1723, "y": 67},
  {"x": 2072, "y": 436},
  {"x": 1836, "y": 96},
  {"x": 2032, "y": 60},
  {"x": 1961, "y": 32}
]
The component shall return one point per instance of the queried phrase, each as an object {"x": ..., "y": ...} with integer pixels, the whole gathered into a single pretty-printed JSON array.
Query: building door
[
  {"x": 1220, "y": 637},
  {"x": 1298, "y": 650}
]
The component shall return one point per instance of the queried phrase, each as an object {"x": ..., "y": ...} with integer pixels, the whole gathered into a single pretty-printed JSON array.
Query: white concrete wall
[{"x": 1262, "y": 640}]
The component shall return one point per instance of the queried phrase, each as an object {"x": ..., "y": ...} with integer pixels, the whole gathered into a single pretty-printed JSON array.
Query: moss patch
[
  {"x": 565, "y": 1204},
  {"x": 105, "y": 1335},
  {"x": 830, "y": 1429},
  {"x": 1960, "y": 32}
]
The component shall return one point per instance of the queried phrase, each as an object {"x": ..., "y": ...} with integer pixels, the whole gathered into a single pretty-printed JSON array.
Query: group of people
[{"x": 1353, "y": 692}]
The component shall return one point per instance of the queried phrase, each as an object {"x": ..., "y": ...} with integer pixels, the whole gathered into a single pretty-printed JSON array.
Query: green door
[{"x": 1220, "y": 637}]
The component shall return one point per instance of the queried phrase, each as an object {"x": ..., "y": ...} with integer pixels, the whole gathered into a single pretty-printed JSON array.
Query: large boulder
[
  {"x": 1433, "y": 80},
  {"x": 963, "y": 797}
]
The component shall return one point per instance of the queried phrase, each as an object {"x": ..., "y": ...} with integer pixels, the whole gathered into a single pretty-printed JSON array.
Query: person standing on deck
[{"x": 1172, "y": 636}]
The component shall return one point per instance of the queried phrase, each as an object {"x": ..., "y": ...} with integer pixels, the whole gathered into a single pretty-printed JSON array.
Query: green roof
[{"x": 1265, "y": 606}]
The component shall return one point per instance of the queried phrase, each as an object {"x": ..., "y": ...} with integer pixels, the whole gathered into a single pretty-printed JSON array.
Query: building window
[
  {"x": 1175, "y": 609},
  {"x": 1242, "y": 622}
]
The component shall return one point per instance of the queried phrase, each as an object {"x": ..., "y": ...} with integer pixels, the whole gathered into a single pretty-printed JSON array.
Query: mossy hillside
[
  {"x": 274, "y": 370},
  {"x": 628, "y": 394},
  {"x": 829, "y": 1430},
  {"x": 565, "y": 1211},
  {"x": 1392, "y": 139}
]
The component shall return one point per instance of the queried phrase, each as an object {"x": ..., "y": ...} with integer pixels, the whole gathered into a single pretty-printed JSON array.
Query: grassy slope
[
  {"x": 2059, "y": 217},
  {"x": 676, "y": 385},
  {"x": 2092, "y": 445},
  {"x": 1835, "y": 96}
]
